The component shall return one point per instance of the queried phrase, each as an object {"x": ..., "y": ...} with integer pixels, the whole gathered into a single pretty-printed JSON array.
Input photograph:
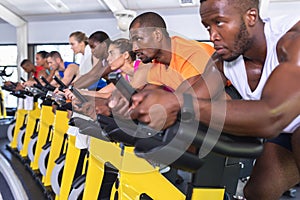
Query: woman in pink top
[{"x": 120, "y": 58}]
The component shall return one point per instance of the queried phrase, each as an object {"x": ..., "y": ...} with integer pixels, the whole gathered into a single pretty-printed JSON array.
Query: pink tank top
[{"x": 135, "y": 67}]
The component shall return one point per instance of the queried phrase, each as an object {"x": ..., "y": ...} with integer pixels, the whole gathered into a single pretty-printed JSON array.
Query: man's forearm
[
  {"x": 49, "y": 78},
  {"x": 86, "y": 80},
  {"x": 91, "y": 77},
  {"x": 240, "y": 117}
]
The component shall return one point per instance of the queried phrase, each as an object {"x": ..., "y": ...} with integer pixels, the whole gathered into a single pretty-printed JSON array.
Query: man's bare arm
[
  {"x": 71, "y": 71},
  {"x": 41, "y": 73},
  {"x": 51, "y": 74},
  {"x": 171, "y": 103},
  {"x": 92, "y": 76},
  {"x": 279, "y": 103}
]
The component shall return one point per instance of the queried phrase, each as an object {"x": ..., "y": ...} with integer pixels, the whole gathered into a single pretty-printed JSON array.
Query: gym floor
[{"x": 31, "y": 187}]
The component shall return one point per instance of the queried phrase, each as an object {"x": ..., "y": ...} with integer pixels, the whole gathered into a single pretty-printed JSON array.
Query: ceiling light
[
  {"x": 124, "y": 18},
  {"x": 187, "y": 2},
  {"x": 58, "y": 5}
]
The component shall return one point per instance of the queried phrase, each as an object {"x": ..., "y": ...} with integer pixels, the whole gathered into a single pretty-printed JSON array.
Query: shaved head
[
  {"x": 149, "y": 20},
  {"x": 243, "y": 5}
]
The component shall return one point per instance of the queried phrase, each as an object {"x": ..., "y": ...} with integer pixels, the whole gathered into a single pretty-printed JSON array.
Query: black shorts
[{"x": 284, "y": 140}]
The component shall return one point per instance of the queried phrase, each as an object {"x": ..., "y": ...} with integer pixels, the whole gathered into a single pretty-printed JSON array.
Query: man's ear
[
  {"x": 157, "y": 34},
  {"x": 57, "y": 60},
  {"x": 252, "y": 16}
]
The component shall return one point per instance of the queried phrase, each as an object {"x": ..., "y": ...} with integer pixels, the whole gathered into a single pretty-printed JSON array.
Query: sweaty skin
[
  {"x": 263, "y": 118},
  {"x": 236, "y": 29}
]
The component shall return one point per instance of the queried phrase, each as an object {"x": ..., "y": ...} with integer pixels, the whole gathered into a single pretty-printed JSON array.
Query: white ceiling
[
  {"x": 39, "y": 10},
  {"x": 27, "y": 8}
]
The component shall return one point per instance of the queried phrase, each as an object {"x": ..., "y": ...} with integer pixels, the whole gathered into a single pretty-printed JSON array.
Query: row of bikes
[{"x": 125, "y": 159}]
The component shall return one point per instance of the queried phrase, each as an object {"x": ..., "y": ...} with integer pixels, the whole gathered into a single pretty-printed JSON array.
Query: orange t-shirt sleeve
[
  {"x": 188, "y": 60},
  {"x": 208, "y": 48},
  {"x": 196, "y": 62}
]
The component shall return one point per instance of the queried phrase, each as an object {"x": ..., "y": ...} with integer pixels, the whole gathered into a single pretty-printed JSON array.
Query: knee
[
  {"x": 249, "y": 192},
  {"x": 254, "y": 191}
]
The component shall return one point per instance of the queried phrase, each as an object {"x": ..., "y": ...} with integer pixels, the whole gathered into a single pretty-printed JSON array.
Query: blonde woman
[{"x": 79, "y": 44}]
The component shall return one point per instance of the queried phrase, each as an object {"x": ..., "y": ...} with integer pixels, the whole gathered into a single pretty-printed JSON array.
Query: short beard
[
  {"x": 147, "y": 60},
  {"x": 241, "y": 43}
]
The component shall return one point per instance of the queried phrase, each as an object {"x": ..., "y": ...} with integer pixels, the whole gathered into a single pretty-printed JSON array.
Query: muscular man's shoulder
[
  {"x": 288, "y": 47},
  {"x": 296, "y": 27},
  {"x": 294, "y": 31}
]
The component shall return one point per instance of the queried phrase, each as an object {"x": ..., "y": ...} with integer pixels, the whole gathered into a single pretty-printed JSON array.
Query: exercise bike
[{"x": 208, "y": 182}]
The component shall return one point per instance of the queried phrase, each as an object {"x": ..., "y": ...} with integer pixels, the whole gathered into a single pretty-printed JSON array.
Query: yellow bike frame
[
  {"x": 46, "y": 120},
  {"x": 32, "y": 116},
  {"x": 60, "y": 128}
]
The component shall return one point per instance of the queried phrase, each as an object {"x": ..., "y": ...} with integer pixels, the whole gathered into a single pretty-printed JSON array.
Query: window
[
  {"x": 8, "y": 58},
  {"x": 65, "y": 50}
]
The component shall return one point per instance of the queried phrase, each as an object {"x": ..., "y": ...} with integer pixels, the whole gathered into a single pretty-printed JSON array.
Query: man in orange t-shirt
[
  {"x": 188, "y": 59},
  {"x": 174, "y": 59}
]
